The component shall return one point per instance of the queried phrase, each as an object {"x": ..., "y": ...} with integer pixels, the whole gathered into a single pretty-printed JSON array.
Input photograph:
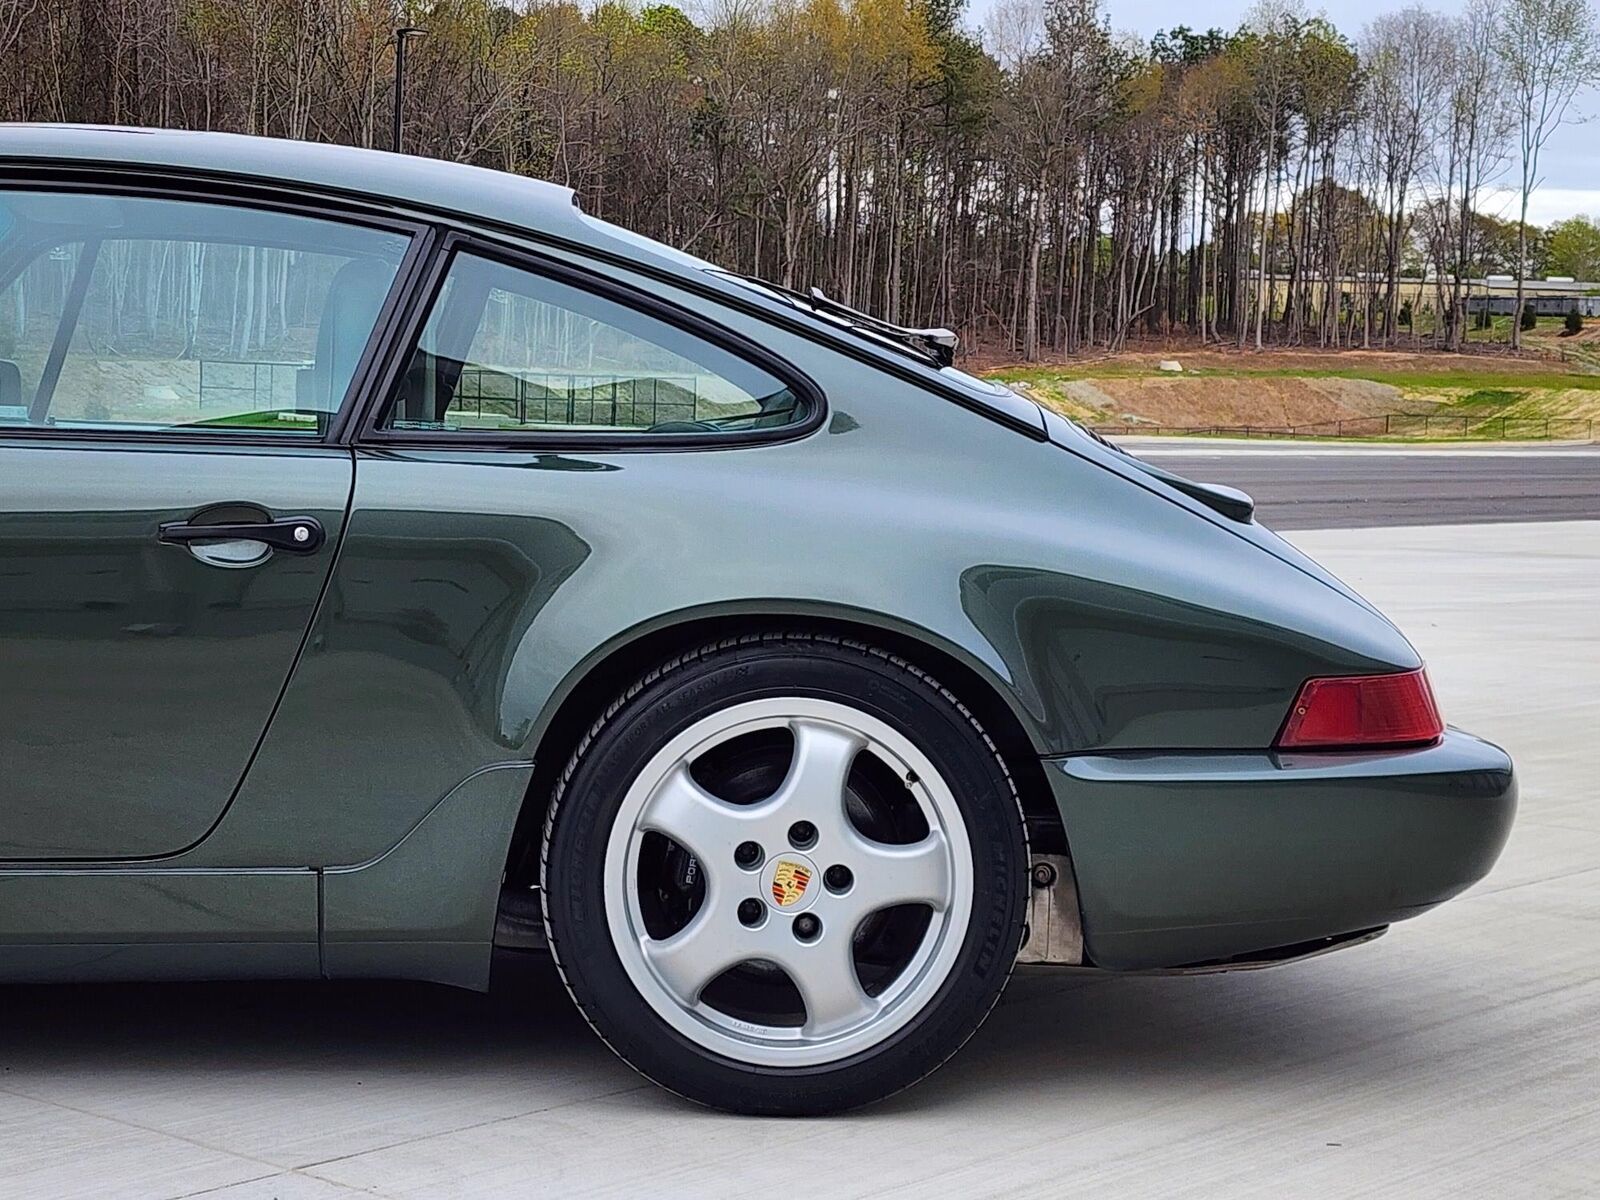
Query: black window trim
[
  {"x": 457, "y": 242},
  {"x": 421, "y": 236}
]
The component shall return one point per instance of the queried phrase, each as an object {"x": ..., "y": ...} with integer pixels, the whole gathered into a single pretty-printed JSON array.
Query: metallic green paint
[
  {"x": 109, "y": 923},
  {"x": 1184, "y": 858},
  {"x": 425, "y": 909},
  {"x": 1144, "y": 644},
  {"x": 139, "y": 678}
]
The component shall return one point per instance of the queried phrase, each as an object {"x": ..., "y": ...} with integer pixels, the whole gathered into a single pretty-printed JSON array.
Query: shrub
[
  {"x": 1405, "y": 313},
  {"x": 1574, "y": 321},
  {"x": 1529, "y": 320}
]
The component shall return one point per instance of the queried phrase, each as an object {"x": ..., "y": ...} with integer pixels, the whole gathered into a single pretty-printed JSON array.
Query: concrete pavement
[{"x": 1458, "y": 1056}]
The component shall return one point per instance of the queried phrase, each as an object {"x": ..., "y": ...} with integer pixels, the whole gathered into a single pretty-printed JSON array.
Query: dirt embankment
[
  {"x": 1223, "y": 400},
  {"x": 1300, "y": 387},
  {"x": 1302, "y": 358}
]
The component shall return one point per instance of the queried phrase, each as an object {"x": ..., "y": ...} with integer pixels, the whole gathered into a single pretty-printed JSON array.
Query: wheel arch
[{"x": 609, "y": 669}]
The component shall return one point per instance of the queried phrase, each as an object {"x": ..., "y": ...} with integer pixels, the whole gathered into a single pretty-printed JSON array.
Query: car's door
[{"x": 170, "y": 497}]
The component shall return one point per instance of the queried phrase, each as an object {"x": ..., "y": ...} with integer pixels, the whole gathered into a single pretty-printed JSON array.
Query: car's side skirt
[
  {"x": 425, "y": 909},
  {"x": 157, "y": 923}
]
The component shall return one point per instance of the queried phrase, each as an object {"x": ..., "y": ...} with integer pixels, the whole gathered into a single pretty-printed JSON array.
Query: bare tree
[
  {"x": 1470, "y": 146},
  {"x": 1550, "y": 51},
  {"x": 1405, "y": 55}
]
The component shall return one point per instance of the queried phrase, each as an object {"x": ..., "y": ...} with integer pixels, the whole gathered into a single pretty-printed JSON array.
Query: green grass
[
  {"x": 1452, "y": 378},
  {"x": 1489, "y": 398},
  {"x": 1473, "y": 438},
  {"x": 267, "y": 419}
]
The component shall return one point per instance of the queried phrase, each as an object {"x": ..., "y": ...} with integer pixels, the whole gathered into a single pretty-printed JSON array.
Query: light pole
[{"x": 400, "y": 36}]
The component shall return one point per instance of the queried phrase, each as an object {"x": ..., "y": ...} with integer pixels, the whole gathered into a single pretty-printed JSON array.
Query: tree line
[{"x": 1044, "y": 186}]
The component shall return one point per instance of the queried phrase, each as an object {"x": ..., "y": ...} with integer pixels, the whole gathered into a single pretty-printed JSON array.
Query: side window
[
  {"x": 144, "y": 314},
  {"x": 511, "y": 351}
]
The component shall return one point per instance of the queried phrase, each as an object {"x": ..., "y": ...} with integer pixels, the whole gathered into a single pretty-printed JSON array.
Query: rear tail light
[{"x": 1354, "y": 711}]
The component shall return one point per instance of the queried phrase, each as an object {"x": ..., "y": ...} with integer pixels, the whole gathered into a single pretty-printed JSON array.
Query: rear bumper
[{"x": 1192, "y": 857}]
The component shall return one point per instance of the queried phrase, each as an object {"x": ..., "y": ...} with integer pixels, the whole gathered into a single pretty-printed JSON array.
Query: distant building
[
  {"x": 1543, "y": 301},
  {"x": 1554, "y": 296}
]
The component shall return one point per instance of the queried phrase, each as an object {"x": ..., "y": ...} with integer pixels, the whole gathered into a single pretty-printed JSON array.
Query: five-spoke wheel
[
  {"x": 786, "y": 874},
  {"x": 790, "y": 880}
]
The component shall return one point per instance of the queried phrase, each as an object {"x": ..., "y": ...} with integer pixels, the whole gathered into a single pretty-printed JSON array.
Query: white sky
[{"x": 1569, "y": 164}]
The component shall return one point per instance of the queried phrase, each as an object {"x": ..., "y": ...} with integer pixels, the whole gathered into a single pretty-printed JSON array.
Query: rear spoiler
[
  {"x": 934, "y": 345},
  {"x": 938, "y": 343},
  {"x": 1228, "y": 501}
]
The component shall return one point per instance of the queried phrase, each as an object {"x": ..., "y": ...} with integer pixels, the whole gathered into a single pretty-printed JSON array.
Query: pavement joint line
[
  {"x": 215, "y": 1188},
  {"x": 280, "y": 1173},
  {"x": 1561, "y": 825},
  {"x": 1480, "y": 892},
  {"x": 1173, "y": 1100},
  {"x": 240, "y": 1155},
  {"x": 308, "y": 1168}
]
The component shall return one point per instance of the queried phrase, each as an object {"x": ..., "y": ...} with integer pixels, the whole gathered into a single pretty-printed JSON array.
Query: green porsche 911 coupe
[{"x": 397, "y": 563}]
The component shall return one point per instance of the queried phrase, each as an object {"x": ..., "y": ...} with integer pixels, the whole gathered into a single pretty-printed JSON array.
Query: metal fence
[
  {"x": 248, "y": 386},
  {"x": 1391, "y": 425},
  {"x": 577, "y": 398},
  {"x": 541, "y": 397}
]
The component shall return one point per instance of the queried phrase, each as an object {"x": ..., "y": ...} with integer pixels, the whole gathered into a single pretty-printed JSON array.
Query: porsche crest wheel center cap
[{"x": 790, "y": 883}]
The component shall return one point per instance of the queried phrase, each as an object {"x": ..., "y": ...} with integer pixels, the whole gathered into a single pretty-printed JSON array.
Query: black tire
[{"x": 668, "y": 700}]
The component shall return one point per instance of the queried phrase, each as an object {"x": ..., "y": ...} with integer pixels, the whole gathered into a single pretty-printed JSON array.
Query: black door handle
[{"x": 298, "y": 535}]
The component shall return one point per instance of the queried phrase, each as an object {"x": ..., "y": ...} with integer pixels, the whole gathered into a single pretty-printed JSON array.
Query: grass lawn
[{"x": 1464, "y": 377}]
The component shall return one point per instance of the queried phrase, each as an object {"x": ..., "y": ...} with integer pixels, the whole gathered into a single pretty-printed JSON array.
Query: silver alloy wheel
[{"x": 841, "y": 1018}]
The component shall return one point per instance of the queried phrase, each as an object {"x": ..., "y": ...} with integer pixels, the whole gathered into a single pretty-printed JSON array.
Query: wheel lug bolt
[
  {"x": 807, "y": 927},
  {"x": 802, "y": 835},
  {"x": 750, "y": 911},
  {"x": 838, "y": 878},
  {"x": 748, "y": 855}
]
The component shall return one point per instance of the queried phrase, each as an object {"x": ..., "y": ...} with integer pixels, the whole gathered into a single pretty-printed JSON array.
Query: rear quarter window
[{"x": 510, "y": 351}]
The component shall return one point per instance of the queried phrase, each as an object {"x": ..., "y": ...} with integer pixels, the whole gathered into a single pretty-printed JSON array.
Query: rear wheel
[{"x": 785, "y": 875}]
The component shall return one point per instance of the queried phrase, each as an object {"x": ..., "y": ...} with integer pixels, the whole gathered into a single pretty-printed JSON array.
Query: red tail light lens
[{"x": 1350, "y": 711}]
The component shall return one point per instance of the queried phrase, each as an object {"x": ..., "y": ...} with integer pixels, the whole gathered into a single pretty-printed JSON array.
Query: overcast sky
[{"x": 1570, "y": 163}]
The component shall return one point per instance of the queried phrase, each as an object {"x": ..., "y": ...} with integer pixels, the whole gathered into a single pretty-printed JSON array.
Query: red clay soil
[{"x": 1231, "y": 400}]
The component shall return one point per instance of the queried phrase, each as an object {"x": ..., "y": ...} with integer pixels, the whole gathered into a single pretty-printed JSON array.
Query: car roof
[{"x": 428, "y": 183}]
